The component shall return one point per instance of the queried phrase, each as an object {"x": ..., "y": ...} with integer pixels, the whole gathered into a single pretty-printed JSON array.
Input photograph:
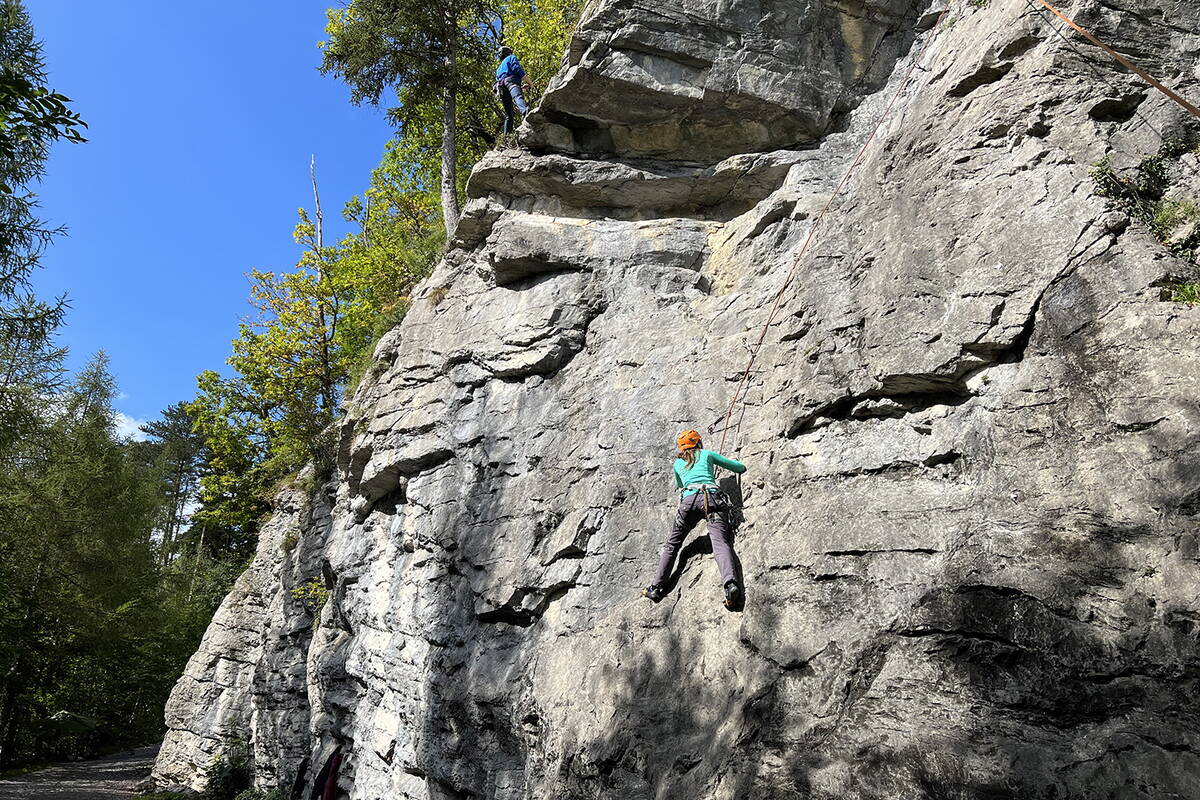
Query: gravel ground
[{"x": 102, "y": 779}]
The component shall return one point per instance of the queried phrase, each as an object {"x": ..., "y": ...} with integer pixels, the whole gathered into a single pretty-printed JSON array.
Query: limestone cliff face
[{"x": 969, "y": 529}]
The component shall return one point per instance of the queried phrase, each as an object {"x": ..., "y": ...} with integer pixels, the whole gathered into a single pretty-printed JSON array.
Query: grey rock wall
[{"x": 969, "y": 528}]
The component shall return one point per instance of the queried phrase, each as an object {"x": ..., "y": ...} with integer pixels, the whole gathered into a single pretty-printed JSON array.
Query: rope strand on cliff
[
  {"x": 1147, "y": 77},
  {"x": 743, "y": 388}
]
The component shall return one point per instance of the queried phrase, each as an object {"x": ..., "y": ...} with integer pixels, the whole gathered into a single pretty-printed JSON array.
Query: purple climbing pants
[{"x": 691, "y": 511}]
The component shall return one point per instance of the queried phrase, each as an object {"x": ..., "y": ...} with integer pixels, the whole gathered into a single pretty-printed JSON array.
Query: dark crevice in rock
[
  {"x": 441, "y": 790},
  {"x": 796, "y": 664},
  {"x": 526, "y": 605},
  {"x": 1117, "y": 109},
  {"x": 901, "y": 395},
  {"x": 1138, "y": 427},
  {"x": 686, "y": 59},
  {"x": 590, "y": 135},
  {"x": 915, "y": 633},
  {"x": 892, "y": 467},
  {"x": 881, "y": 404},
  {"x": 390, "y": 502},
  {"x": 508, "y": 616},
  {"x": 985, "y": 75},
  {"x": 940, "y": 459},
  {"x": 386, "y": 481},
  {"x": 858, "y": 553},
  {"x": 825, "y": 577},
  {"x": 1019, "y": 47},
  {"x": 526, "y": 273}
]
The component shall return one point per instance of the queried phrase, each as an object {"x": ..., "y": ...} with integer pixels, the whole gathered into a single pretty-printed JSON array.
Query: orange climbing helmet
[{"x": 688, "y": 440}]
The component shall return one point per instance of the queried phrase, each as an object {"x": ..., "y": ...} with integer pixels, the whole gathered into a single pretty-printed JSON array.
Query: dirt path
[{"x": 103, "y": 779}]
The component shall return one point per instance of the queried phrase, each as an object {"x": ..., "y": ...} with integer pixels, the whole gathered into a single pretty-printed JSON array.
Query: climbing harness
[
  {"x": 743, "y": 388},
  {"x": 705, "y": 488}
]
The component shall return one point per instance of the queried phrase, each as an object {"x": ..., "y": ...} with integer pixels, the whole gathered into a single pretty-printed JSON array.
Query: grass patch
[
  {"x": 17, "y": 772},
  {"x": 1170, "y": 214},
  {"x": 259, "y": 794},
  {"x": 1188, "y": 293},
  {"x": 289, "y": 541},
  {"x": 1140, "y": 194},
  {"x": 437, "y": 294}
]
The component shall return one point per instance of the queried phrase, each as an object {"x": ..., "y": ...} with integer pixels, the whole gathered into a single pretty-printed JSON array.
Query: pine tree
[{"x": 431, "y": 52}]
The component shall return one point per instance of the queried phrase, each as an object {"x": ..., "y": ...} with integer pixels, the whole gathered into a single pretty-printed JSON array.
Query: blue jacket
[{"x": 509, "y": 68}]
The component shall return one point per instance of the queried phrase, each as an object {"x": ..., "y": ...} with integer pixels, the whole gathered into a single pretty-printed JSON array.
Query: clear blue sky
[{"x": 202, "y": 120}]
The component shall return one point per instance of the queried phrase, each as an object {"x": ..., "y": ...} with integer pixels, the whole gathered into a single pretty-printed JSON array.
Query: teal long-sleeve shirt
[{"x": 702, "y": 470}]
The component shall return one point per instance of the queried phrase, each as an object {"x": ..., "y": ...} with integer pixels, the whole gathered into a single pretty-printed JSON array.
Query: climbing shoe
[
  {"x": 654, "y": 592},
  {"x": 733, "y": 594}
]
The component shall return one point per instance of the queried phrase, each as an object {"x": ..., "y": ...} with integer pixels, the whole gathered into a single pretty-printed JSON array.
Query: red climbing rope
[
  {"x": 1147, "y": 77},
  {"x": 743, "y": 385},
  {"x": 743, "y": 388}
]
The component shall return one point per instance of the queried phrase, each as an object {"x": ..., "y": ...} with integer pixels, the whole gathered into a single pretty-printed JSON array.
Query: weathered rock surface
[{"x": 970, "y": 528}]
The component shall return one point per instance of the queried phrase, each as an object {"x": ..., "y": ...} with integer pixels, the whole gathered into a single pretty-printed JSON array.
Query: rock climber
[
  {"x": 700, "y": 497},
  {"x": 510, "y": 77}
]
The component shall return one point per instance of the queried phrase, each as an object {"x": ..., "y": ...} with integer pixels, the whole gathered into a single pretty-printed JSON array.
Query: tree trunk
[
  {"x": 7, "y": 718},
  {"x": 449, "y": 159}
]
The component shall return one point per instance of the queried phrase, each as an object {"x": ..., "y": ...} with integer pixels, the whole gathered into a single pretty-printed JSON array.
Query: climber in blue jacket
[{"x": 510, "y": 77}]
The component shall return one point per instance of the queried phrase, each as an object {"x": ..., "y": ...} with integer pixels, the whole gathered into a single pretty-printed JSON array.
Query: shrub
[
  {"x": 230, "y": 774},
  {"x": 1140, "y": 196},
  {"x": 437, "y": 294},
  {"x": 259, "y": 794},
  {"x": 312, "y": 595}
]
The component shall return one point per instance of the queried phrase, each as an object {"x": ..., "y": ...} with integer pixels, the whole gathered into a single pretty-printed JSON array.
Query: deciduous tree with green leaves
[{"x": 310, "y": 335}]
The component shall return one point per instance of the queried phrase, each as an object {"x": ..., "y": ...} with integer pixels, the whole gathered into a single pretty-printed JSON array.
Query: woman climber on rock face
[{"x": 700, "y": 498}]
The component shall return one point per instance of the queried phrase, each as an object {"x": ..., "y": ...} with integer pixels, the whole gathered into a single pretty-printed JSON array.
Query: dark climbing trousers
[
  {"x": 691, "y": 511},
  {"x": 512, "y": 100}
]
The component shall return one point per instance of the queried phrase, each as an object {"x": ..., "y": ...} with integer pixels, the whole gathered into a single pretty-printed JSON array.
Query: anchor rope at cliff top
[
  {"x": 743, "y": 388},
  {"x": 1141, "y": 73}
]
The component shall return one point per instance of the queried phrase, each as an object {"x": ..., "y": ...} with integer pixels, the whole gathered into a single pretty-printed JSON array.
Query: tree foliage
[
  {"x": 96, "y": 618},
  {"x": 312, "y": 328},
  {"x": 428, "y": 50},
  {"x": 174, "y": 454},
  {"x": 309, "y": 336},
  {"x": 115, "y": 553},
  {"x": 438, "y": 60},
  {"x": 32, "y": 117},
  {"x": 539, "y": 32},
  {"x": 99, "y": 608}
]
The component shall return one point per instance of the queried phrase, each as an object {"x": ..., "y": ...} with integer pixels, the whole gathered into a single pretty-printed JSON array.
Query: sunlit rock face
[{"x": 969, "y": 528}]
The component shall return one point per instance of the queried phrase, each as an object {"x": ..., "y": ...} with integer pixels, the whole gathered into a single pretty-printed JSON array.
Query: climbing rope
[
  {"x": 743, "y": 387},
  {"x": 1147, "y": 77}
]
